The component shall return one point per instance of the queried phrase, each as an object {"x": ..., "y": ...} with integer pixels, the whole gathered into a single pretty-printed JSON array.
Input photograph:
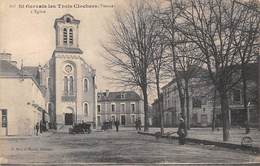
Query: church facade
[{"x": 69, "y": 80}]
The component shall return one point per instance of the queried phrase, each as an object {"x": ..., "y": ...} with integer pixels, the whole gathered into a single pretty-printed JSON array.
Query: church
[{"x": 69, "y": 80}]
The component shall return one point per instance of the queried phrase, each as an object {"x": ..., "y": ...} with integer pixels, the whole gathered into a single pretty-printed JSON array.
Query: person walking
[
  {"x": 181, "y": 132},
  {"x": 37, "y": 128},
  {"x": 117, "y": 125}
]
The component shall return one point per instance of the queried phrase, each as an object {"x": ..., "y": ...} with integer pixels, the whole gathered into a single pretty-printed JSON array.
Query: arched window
[
  {"x": 71, "y": 36},
  {"x": 49, "y": 108},
  {"x": 65, "y": 36},
  {"x": 85, "y": 109},
  {"x": 71, "y": 85},
  {"x": 85, "y": 84},
  {"x": 66, "y": 85}
]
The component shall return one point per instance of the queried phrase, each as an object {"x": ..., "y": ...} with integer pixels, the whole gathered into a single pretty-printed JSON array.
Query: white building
[{"x": 22, "y": 102}]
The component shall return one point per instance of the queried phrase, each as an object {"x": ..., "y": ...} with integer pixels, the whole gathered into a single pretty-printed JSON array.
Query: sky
[{"x": 27, "y": 32}]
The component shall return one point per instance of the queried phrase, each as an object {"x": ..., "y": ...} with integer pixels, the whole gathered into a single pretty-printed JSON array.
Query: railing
[{"x": 69, "y": 96}]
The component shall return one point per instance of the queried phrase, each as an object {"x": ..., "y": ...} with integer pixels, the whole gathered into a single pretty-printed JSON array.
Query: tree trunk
[
  {"x": 214, "y": 111},
  {"x": 187, "y": 102},
  {"x": 245, "y": 115},
  {"x": 225, "y": 115},
  {"x": 160, "y": 107},
  {"x": 182, "y": 103},
  {"x": 179, "y": 85},
  {"x": 144, "y": 90},
  {"x": 258, "y": 96}
]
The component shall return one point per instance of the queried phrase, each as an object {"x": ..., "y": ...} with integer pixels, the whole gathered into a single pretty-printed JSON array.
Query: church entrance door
[{"x": 68, "y": 119}]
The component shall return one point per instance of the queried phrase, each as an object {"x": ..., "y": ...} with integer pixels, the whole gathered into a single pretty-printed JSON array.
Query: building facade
[
  {"x": 156, "y": 114},
  {"x": 125, "y": 106},
  {"x": 202, "y": 101},
  {"x": 69, "y": 80},
  {"x": 238, "y": 113},
  {"x": 22, "y": 102},
  {"x": 200, "y": 104}
]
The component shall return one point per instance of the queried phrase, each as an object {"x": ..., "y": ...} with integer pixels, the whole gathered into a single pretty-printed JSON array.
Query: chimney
[
  {"x": 14, "y": 63},
  {"x": 5, "y": 56},
  {"x": 22, "y": 70},
  {"x": 107, "y": 92}
]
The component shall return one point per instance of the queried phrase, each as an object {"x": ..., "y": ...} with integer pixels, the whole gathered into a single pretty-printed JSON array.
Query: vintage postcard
[{"x": 129, "y": 82}]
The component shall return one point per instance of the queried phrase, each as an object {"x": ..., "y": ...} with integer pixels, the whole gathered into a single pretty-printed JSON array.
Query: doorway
[
  {"x": 238, "y": 117},
  {"x": 122, "y": 119},
  {"x": 98, "y": 121},
  {"x": 68, "y": 119},
  {"x": 204, "y": 120}
]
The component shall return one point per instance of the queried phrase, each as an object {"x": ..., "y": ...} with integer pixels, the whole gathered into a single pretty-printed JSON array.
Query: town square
[{"x": 125, "y": 146}]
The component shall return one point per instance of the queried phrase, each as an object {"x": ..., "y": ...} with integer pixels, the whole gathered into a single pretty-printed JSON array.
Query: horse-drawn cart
[
  {"x": 106, "y": 125},
  {"x": 81, "y": 128}
]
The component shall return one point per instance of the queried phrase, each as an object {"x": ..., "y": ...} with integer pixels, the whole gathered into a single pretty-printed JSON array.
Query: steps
[{"x": 64, "y": 129}]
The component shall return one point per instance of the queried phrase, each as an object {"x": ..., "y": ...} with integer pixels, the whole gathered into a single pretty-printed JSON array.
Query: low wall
[{"x": 207, "y": 142}]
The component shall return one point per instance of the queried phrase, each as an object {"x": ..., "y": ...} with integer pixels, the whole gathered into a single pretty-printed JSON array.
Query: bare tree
[
  {"x": 168, "y": 19},
  {"x": 188, "y": 67},
  {"x": 182, "y": 66},
  {"x": 213, "y": 26},
  {"x": 159, "y": 61},
  {"x": 129, "y": 52}
]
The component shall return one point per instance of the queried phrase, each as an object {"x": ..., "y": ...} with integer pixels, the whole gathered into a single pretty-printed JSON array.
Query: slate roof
[
  {"x": 196, "y": 72},
  {"x": 30, "y": 70},
  {"x": 251, "y": 71},
  {"x": 116, "y": 96},
  {"x": 7, "y": 69}
]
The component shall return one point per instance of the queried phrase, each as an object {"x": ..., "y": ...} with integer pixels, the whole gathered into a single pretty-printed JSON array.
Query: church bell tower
[
  {"x": 72, "y": 80},
  {"x": 66, "y": 29}
]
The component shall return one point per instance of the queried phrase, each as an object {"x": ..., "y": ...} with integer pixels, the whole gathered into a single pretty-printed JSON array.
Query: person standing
[
  {"x": 37, "y": 128},
  {"x": 117, "y": 125},
  {"x": 181, "y": 132},
  {"x": 41, "y": 126},
  {"x": 139, "y": 124},
  {"x": 136, "y": 124},
  {"x": 217, "y": 124}
]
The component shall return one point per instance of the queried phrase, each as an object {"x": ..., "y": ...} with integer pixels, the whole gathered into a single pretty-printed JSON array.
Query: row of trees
[{"x": 154, "y": 40}]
